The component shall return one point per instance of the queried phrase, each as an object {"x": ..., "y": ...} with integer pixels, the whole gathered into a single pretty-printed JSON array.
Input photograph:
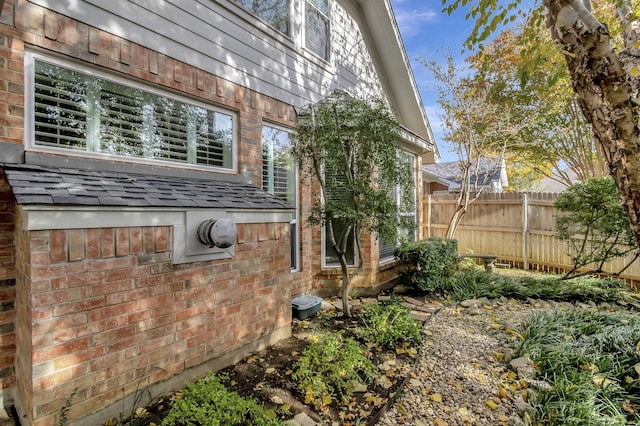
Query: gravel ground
[{"x": 463, "y": 376}]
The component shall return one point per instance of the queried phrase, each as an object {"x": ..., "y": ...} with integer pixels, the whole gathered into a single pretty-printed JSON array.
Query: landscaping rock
[
  {"x": 524, "y": 367},
  {"x": 455, "y": 382}
]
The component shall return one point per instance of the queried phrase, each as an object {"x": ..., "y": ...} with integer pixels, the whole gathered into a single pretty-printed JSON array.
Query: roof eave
[{"x": 382, "y": 23}]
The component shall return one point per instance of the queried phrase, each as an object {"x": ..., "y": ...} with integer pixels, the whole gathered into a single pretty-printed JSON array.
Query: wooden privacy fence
[{"x": 518, "y": 227}]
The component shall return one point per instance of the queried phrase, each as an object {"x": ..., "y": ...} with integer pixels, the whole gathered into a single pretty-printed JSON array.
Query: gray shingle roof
[
  {"x": 32, "y": 184},
  {"x": 488, "y": 169}
]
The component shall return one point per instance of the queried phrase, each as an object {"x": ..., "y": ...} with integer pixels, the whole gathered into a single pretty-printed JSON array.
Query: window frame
[
  {"x": 295, "y": 220},
  {"x": 290, "y": 23},
  {"x": 147, "y": 88},
  {"x": 327, "y": 17},
  {"x": 325, "y": 242}
]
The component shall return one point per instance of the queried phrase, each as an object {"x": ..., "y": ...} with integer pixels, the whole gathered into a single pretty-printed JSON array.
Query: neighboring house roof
[
  {"x": 553, "y": 185},
  {"x": 62, "y": 186},
  {"x": 490, "y": 171}
]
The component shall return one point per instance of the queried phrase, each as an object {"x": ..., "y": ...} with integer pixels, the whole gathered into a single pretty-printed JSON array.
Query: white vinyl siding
[
  {"x": 79, "y": 110},
  {"x": 280, "y": 176}
]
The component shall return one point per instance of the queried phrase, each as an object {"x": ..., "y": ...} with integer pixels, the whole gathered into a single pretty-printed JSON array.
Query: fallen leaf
[
  {"x": 491, "y": 404},
  {"x": 326, "y": 399},
  {"x": 436, "y": 397},
  {"x": 502, "y": 392},
  {"x": 385, "y": 382},
  {"x": 270, "y": 370},
  {"x": 439, "y": 422},
  {"x": 503, "y": 418},
  {"x": 600, "y": 380},
  {"x": 629, "y": 407},
  {"x": 589, "y": 367}
]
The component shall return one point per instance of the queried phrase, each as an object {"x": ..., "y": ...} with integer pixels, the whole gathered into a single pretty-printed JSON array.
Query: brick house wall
[
  {"x": 7, "y": 287},
  {"x": 110, "y": 312},
  {"x": 102, "y": 309}
]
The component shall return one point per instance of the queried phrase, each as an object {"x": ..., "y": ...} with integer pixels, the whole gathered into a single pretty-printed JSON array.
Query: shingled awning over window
[{"x": 36, "y": 185}]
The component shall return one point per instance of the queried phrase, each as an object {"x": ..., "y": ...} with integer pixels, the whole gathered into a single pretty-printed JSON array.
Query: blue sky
[{"x": 430, "y": 34}]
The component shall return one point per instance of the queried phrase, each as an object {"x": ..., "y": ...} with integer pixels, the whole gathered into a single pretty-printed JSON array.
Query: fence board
[{"x": 519, "y": 228}]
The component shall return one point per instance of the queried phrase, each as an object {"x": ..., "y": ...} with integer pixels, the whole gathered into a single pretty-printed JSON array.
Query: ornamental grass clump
[
  {"x": 389, "y": 325},
  {"x": 469, "y": 284},
  {"x": 592, "y": 361}
]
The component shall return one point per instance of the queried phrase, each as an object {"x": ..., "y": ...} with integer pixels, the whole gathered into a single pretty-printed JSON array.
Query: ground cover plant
[
  {"x": 331, "y": 369},
  {"x": 591, "y": 359},
  {"x": 469, "y": 284},
  {"x": 389, "y": 325},
  {"x": 209, "y": 402}
]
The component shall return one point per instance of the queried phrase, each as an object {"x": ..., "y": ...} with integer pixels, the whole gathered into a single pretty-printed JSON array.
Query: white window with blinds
[
  {"x": 330, "y": 256},
  {"x": 316, "y": 27},
  {"x": 405, "y": 198},
  {"x": 83, "y": 110},
  {"x": 280, "y": 176}
]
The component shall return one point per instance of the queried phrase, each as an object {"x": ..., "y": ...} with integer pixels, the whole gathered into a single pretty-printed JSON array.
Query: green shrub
[
  {"x": 331, "y": 368},
  {"x": 389, "y": 325},
  {"x": 208, "y": 402},
  {"x": 429, "y": 263},
  {"x": 594, "y": 224}
]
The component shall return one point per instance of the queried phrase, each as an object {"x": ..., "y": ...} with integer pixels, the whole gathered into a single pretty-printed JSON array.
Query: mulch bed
[{"x": 266, "y": 376}]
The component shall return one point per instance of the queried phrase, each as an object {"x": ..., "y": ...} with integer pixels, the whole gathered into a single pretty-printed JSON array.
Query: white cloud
[
  {"x": 411, "y": 21},
  {"x": 435, "y": 121}
]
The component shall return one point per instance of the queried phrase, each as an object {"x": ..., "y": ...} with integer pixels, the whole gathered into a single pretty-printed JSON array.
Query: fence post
[
  {"x": 429, "y": 216},
  {"x": 525, "y": 232}
]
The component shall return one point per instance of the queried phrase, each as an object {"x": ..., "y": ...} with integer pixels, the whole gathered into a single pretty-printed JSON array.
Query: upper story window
[
  {"x": 82, "y": 110},
  {"x": 316, "y": 28},
  {"x": 273, "y": 12}
]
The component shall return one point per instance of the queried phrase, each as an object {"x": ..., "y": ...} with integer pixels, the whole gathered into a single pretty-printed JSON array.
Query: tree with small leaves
[
  {"x": 600, "y": 46},
  {"x": 348, "y": 148}
]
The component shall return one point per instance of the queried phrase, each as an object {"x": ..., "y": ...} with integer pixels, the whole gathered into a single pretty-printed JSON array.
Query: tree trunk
[
  {"x": 346, "y": 308},
  {"x": 455, "y": 221},
  {"x": 605, "y": 95}
]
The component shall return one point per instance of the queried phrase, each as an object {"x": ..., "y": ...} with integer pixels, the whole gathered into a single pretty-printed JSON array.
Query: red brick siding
[
  {"x": 129, "y": 317},
  {"x": 7, "y": 286}
]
